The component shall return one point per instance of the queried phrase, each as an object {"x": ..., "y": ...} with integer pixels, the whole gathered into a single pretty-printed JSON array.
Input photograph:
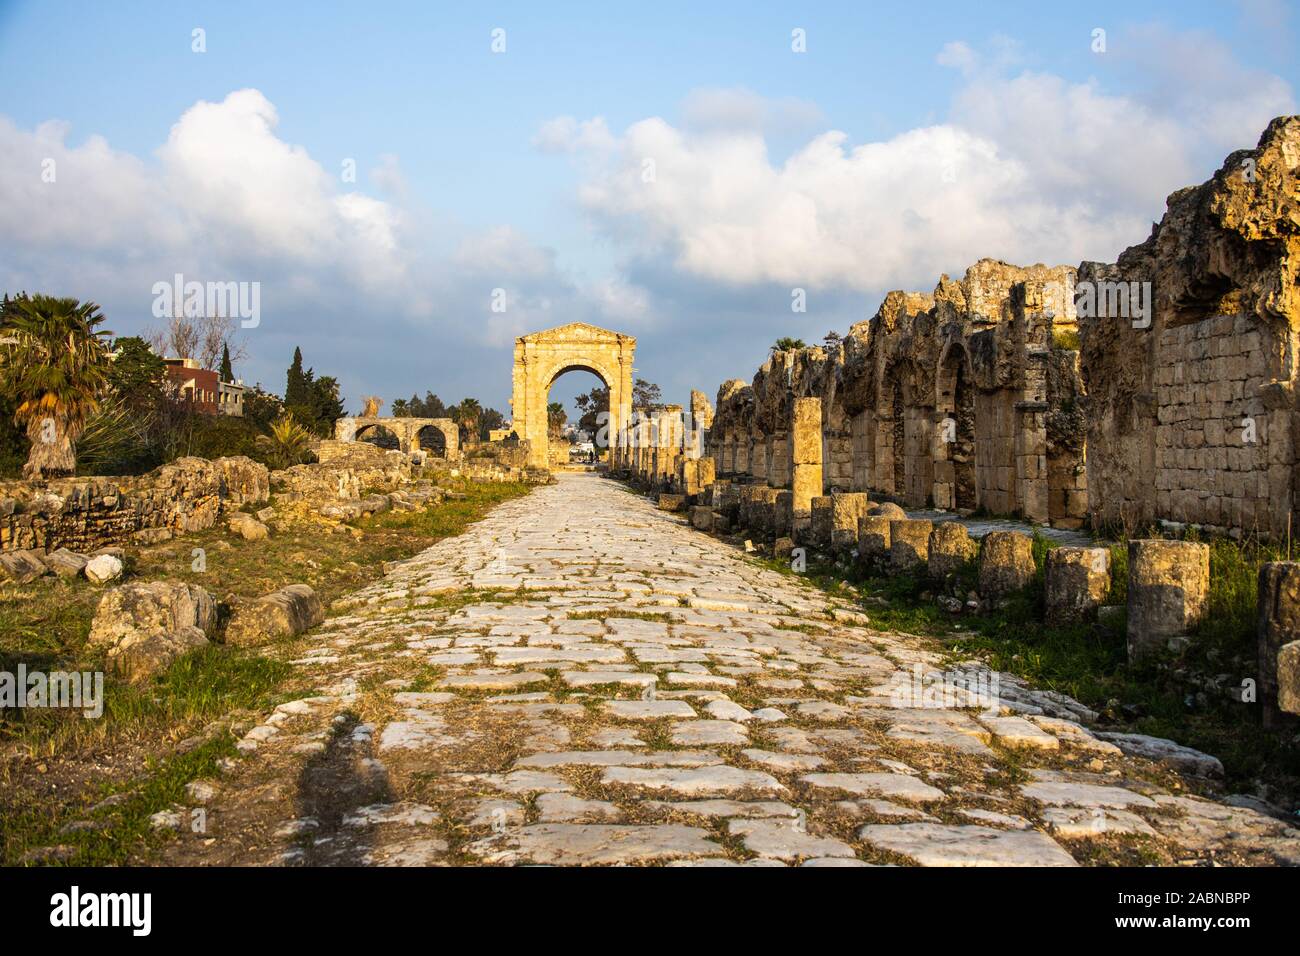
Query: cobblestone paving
[{"x": 651, "y": 695}]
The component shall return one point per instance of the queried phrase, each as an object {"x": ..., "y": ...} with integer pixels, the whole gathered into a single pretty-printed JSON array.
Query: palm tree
[
  {"x": 55, "y": 366},
  {"x": 556, "y": 418},
  {"x": 289, "y": 442},
  {"x": 467, "y": 415}
]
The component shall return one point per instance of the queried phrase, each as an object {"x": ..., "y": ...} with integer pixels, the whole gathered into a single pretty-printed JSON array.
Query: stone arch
[
  {"x": 905, "y": 435},
  {"x": 955, "y": 485},
  {"x": 432, "y": 439},
  {"x": 380, "y": 435},
  {"x": 542, "y": 357}
]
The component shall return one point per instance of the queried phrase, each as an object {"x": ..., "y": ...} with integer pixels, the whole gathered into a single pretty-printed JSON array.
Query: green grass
[
  {"x": 121, "y": 831},
  {"x": 45, "y": 625}
]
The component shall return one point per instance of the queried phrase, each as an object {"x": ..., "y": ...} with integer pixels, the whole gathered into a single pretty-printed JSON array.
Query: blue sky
[{"x": 899, "y": 145}]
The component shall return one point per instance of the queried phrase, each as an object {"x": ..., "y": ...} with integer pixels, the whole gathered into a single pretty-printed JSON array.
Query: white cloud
[{"x": 1028, "y": 167}]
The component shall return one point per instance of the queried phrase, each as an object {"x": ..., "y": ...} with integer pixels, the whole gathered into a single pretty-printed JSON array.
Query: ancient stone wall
[
  {"x": 1191, "y": 410},
  {"x": 942, "y": 399},
  {"x": 83, "y": 514},
  {"x": 1159, "y": 387}
]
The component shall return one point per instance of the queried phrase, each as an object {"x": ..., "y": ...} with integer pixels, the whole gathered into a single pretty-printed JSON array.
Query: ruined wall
[
  {"x": 83, "y": 514},
  {"x": 1161, "y": 386},
  {"x": 1190, "y": 365}
]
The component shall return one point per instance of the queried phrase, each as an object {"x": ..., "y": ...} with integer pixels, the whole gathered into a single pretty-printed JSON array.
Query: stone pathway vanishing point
[{"x": 655, "y": 696}]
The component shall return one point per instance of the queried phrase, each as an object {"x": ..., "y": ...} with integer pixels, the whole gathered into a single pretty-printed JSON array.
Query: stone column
[
  {"x": 1168, "y": 592},
  {"x": 805, "y": 458}
]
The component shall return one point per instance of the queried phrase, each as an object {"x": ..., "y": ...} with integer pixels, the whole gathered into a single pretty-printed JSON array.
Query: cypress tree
[{"x": 295, "y": 388}]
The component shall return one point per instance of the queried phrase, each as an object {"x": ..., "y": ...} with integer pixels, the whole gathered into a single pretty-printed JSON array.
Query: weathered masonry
[
  {"x": 439, "y": 437},
  {"x": 964, "y": 399},
  {"x": 1160, "y": 388},
  {"x": 1192, "y": 411}
]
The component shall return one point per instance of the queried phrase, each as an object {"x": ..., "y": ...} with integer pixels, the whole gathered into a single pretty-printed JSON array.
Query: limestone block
[
  {"x": 823, "y": 518},
  {"x": 147, "y": 625},
  {"x": 22, "y": 567},
  {"x": 1288, "y": 678},
  {"x": 669, "y": 502},
  {"x": 1006, "y": 564},
  {"x": 1278, "y": 624},
  {"x": 873, "y": 538},
  {"x": 846, "y": 508},
  {"x": 702, "y": 517},
  {"x": 1168, "y": 591},
  {"x": 950, "y": 548},
  {"x": 806, "y": 483},
  {"x": 887, "y": 509},
  {"x": 783, "y": 513},
  {"x": 1076, "y": 582},
  {"x": 909, "y": 542},
  {"x": 283, "y": 613},
  {"x": 806, "y": 432}
]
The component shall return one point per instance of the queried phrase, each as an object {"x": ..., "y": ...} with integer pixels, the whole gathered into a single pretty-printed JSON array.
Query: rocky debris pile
[
  {"x": 23, "y": 567},
  {"x": 85, "y": 514}
]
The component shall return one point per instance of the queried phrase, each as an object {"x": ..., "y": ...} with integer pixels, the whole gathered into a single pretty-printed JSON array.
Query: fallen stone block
[
  {"x": 21, "y": 567},
  {"x": 247, "y": 527},
  {"x": 873, "y": 538},
  {"x": 668, "y": 502},
  {"x": 702, "y": 517},
  {"x": 66, "y": 563},
  {"x": 1277, "y": 625},
  {"x": 147, "y": 625},
  {"x": 283, "y": 613},
  {"x": 103, "y": 568}
]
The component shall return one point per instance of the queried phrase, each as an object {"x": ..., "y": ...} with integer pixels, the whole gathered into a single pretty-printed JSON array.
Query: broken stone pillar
[
  {"x": 805, "y": 457},
  {"x": 950, "y": 548},
  {"x": 1278, "y": 624},
  {"x": 909, "y": 543},
  {"x": 1168, "y": 592},
  {"x": 1006, "y": 564},
  {"x": 1076, "y": 582},
  {"x": 783, "y": 513},
  {"x": 846, "y": 508},
  {"x": 873, "y": 538},
  {"x": 822, "y": 522},
  {"x": 701, "y": 422}
]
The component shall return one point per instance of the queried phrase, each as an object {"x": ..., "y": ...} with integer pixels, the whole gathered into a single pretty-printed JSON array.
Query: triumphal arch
[{"x": 542, "y": 357}]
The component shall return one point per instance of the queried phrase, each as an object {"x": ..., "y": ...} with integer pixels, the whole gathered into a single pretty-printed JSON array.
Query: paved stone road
[{"x": 655, "y": 696}]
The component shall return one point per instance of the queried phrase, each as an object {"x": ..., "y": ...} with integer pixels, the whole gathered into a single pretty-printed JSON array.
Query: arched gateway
[{"x": 542, "y": 357}]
